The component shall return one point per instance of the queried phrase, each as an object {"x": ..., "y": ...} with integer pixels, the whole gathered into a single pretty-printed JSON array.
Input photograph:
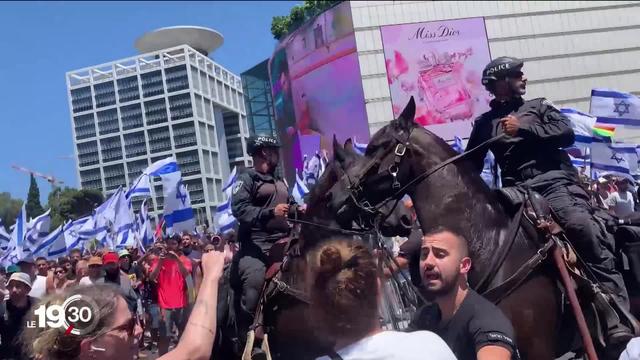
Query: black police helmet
[
  {"x": 257, "y": 142},
  {"x": 500, "y": 68}
]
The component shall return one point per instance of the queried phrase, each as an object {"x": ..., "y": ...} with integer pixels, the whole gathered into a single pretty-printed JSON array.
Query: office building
[{"x": 170, "y": 100}]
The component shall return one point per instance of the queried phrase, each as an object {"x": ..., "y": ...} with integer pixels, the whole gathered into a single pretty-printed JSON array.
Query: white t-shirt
[
  {"x": 85, "y": 281},
  {"x": 632, "y": 351},
  {"x": 621, "y": 203},
  {"x": 39, "y": 287},
  {"x": 394, "y": 345}
]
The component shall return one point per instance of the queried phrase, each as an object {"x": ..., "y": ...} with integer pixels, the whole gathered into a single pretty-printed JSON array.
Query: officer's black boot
[{"x": 615, "y": 318}]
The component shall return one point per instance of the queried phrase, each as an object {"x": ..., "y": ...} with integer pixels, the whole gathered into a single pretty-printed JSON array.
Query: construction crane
[{"x": 50, "y": 178}]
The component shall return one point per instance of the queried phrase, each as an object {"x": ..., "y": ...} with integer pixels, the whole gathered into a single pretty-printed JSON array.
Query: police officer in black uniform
[
  {"x": 532, "y": 155},
  {"x": 261, "y": 203}
]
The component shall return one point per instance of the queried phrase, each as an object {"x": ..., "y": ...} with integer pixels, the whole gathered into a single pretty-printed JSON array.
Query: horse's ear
[
  {"x": 408, "y": 114},
  {"x": 348, "y": 146},
  {"x": 338, "y": 152}
]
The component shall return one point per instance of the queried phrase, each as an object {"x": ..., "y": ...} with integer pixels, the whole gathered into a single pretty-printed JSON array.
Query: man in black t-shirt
[
  {"x": 473, "y": 327},
  {"x": 13, "y": 315}
]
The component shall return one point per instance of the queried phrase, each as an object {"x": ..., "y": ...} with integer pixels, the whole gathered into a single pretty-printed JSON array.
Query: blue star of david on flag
[
  {"x": 621, "y": 107},
  {"x": 180, "y": 195},
  {"x": 617, "y": 158}
]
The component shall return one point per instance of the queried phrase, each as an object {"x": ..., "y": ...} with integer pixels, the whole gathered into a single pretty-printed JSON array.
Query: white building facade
[
  {"x": 129, "y": 113},
  {"x": 569, "y": 47}
]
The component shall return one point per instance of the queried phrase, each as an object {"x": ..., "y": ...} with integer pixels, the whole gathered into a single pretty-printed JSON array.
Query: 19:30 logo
[{"x": 78, "y": 315}]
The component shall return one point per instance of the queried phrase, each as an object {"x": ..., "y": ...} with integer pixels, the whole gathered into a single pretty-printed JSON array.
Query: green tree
[
  {"x": 34, "y": 208},
  {"x": 299, "y": 14},
  {"x": 9, "y": 209},
  {"x": 70, "y": 204}
]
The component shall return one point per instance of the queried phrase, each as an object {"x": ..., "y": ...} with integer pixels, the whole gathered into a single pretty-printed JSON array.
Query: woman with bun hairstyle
[{"x": 346, "y": 292}]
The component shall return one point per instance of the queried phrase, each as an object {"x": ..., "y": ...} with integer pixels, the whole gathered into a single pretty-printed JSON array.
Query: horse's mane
[{"x": 478, "y": 215}]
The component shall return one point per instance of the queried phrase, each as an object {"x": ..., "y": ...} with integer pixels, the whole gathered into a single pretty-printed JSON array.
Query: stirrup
[{"x": 616, "y": 320}]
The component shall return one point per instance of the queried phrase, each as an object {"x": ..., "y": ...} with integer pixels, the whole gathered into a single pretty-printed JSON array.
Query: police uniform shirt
[
  {"x": 536, "y": 149},
  {"x": 476, "y": 324}
]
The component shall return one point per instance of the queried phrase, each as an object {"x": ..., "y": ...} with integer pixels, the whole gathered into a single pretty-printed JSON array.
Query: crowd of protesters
[{"x": 159, "y": 287}]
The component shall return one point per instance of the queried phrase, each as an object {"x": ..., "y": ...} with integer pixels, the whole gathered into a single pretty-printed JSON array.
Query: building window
[
  {"x": 152, "y": 83},
  {"x": 180, "y": 106},
  {"x": 231, "y": 124},
  {"x": 184, "y": 135},
  {"x": 234, "y": 148},
  {"x": 189, "y": 162},
  {"x": 135, "y": 168},
  {"x": 105, "y": 94},
  {"x": 134, "y": 144},
  {"x": 91, "y": 179},
  {"x": 84, "y": 126},
  {"x": 159, "y": 140},
  {"x": 111, "y": 149},
  {"x": 108, "y": 121},
  {"x": 88, "y": 153},
  {"x": 131, "y": 116},
  {"x": 155, "y": 111},
  {"x": 114, "y": 177},
  {"x": 128, "y": 89},
  {"x": 81, "y": 99},
  {"x": 176, "y": 78}
]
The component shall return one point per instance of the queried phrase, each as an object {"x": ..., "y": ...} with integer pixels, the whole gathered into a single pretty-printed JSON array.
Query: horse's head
[
  {"x": 399, "y": 220},
  {"x": 383, "y": 176}
]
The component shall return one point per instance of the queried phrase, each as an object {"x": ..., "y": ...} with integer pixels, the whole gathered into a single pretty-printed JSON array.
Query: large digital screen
[
  {"x": 317, "y": 88},
  {"x": 440, "y": 64}
]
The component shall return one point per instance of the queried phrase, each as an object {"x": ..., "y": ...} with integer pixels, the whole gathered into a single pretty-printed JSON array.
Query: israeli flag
[
  {"x": 53, "y": 246},
  {"x": 178, "y": 213},
  {"x": 323, "y": 164},
  {"x": 228, "y": 187},
  {"x": 141, "y": 187},
  {"x": 299, "y": 190},
  {"x": 615, "y": 159},
  {"x": 457, "y": 145},
  {"x": 5, "y": 238},
  {"x": 360, "y": 148},
  {"x": 123, "y": 223},
  {"x": 15, "y": 251},
  {"x": 144, "y": 231},
  {"x": 620, "y": 109},
  {"x": 582, "y": 125},
  {"x": 223, "y": 219},
  {"x": 38, "y": 229}
]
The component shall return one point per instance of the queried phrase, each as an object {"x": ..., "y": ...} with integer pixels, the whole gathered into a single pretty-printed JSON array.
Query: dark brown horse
[
  {"x": 291, "y": 336},
  {"x": 456, "y": 198}
]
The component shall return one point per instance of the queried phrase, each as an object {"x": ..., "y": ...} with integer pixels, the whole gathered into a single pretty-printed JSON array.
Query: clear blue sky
[{"x": 41, "y": 41}]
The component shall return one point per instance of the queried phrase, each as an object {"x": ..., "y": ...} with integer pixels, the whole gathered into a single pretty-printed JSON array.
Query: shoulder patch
[
  {"x": 548, "y": 102},
  {"x": 237, "y": 186}
]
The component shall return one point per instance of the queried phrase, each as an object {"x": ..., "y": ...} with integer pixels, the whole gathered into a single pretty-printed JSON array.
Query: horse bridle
[{"x": 355, "y": 186}]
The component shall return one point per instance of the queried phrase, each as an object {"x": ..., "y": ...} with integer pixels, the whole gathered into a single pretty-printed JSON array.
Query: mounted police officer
[
  {"x": 531, "y": 155},
  {"x": 261, "y": 204}
]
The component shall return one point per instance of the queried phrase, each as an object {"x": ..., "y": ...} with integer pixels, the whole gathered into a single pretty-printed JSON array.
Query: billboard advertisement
[
  {"x": 440, "y": 64},
  {"x": 317, "y": 88}
]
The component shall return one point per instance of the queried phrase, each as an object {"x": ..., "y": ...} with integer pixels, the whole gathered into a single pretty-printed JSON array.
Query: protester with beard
[
  {"x": 343, "y": 282},
  {"x": 473, "y": 327},
  {"x": 12, "y": 314},
  {"x": 133, "y": 271},
  {"x": 112, "y": 274}
]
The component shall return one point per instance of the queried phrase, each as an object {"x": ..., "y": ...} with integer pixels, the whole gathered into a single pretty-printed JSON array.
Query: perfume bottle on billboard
[{"x": 442, "y": 87}]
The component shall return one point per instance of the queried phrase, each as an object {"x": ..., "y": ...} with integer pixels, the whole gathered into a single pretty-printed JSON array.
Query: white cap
[{"x": 22, "y": 277}]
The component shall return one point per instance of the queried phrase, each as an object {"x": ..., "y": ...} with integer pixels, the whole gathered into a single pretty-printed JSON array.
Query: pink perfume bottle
[{"x": 441, "y": 85}]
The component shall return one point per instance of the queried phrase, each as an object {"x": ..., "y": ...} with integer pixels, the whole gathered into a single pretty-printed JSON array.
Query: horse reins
[{"x": 400, "y": 150}]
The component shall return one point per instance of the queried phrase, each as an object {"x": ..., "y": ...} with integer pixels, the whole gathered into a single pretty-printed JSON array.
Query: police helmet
[
  {"x": 500, "y": 68},
  {"x": 257, "y": 142}
]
